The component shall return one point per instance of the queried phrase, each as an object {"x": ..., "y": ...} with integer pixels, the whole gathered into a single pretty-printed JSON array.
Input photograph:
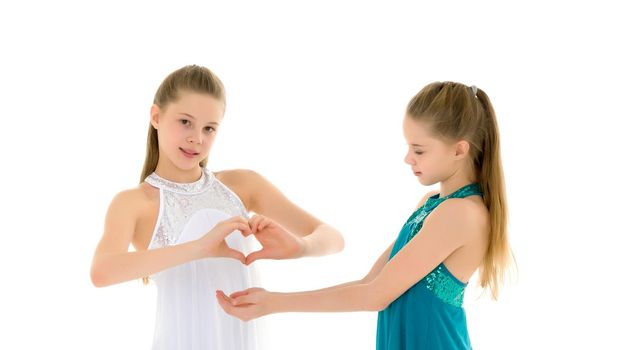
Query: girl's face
[
  {"x": 187, "y": 128},
  {"x": 432, "y": 160}
]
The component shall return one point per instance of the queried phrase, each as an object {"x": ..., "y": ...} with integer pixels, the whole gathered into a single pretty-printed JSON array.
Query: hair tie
[{"x": 474, "y": 89}]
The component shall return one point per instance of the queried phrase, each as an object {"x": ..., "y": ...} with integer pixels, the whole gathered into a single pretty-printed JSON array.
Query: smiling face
[
  {"x": 186, "y": 130},
  {"x": 431, "y": 159}
]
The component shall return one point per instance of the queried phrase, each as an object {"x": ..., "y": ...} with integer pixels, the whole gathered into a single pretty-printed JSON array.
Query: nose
[
  {"x": 408, "y": 159},
  {"x": 195, "y": 138}
]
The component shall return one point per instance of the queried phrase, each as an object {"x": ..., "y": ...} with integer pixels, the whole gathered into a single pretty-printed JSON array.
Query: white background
[{"x": 316, "y": 94}]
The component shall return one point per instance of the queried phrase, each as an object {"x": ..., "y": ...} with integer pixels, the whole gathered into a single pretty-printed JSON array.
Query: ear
[
  {"x": 462, "y": 149},
  {"x": 155, "y": 116}
]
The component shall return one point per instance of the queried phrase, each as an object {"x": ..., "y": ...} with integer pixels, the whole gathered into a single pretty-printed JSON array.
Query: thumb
[{"x": 260, "y": 254}]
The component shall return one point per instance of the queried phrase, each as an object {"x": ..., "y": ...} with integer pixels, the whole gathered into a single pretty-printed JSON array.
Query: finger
[
  {"x": 243, "y": 300},
  {"x": 263, "y": 223},
  {"x": 245, "y": 229},
  {"x": 220, "y": 294},
  {"x": 235, "y": 219},
  {"x": 260, "y": 254},
  {"x": 253, "y": 222},
  {"x": 238, "y": 293},
  {"x": 248, "y": 232},
  {"x": 228, "y": 227},
  {"x": 223, "y": 299},
  {"x": 244, "y": 224},
  {"x": 225, "y": 304}
]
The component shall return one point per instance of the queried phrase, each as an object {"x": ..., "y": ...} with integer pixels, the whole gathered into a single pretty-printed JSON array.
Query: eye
[
  {"x": 418, "y": 153},
  {"x": 184, "y": 122},
  {"x": 209, "y": 129}
]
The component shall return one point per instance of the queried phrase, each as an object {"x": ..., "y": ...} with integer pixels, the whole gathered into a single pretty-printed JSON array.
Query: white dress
[{"x": 188, "y": 315}]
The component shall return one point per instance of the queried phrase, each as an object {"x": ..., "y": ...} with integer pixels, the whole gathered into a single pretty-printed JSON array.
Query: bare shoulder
[
  {"x": 240, "y": 181},
  {"x": 467, "y": 216},
  {"x": 132, "y": 199},
  {"x": 236, "y": 177}
]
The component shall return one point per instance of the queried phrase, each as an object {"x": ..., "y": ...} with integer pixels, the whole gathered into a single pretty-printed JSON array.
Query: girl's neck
[
  {"x": 174, "y": 174},
  {"x": 455, "y": 182}
]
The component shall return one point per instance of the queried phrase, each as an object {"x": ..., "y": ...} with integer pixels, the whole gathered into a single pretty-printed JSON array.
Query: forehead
[
  {"x": 199, "y": 105},
  {"x": 416, "y": 130}
]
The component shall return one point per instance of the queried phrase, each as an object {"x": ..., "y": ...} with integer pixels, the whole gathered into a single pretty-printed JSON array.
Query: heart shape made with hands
[{"x": 275, "y": 241}]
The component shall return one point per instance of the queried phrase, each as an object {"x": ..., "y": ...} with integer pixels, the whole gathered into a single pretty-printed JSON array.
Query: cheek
[{"x": 209, "y": 140}]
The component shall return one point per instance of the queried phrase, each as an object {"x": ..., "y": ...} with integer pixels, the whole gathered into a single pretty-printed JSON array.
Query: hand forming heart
[{"x": 276, "y": 242}]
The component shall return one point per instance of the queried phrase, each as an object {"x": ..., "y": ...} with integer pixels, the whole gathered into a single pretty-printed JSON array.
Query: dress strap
[
  {"x": 468, "y": 190},
  {"x": 198, "y": 186},
  {"x": 417, "y": 218}
]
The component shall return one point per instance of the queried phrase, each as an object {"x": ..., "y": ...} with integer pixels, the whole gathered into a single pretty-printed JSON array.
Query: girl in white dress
[{"x": 187, "y": 223}]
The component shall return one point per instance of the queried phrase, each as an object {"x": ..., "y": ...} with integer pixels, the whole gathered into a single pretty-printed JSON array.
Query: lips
[{"x": 189, "y": 152}]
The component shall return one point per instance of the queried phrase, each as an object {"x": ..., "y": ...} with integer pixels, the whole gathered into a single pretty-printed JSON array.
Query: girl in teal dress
[{"x": 417, "y": 285}]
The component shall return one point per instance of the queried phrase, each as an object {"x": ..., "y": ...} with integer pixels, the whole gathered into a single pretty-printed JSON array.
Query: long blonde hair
[
  {"x": 189, "y": 78},
  {"x": 457, "y": 112}
]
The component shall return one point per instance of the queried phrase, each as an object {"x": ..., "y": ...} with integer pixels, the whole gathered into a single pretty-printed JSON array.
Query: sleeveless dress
[
  {"x": 429, "y": 315},
  {"x": 188, "y": 315}
]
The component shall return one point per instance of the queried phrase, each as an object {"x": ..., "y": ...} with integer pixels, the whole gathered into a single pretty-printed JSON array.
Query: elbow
[
  {"x": 99, "y": 277},
  {"x": 337, "y": 240},
  {"x": 340, "y": 243}
]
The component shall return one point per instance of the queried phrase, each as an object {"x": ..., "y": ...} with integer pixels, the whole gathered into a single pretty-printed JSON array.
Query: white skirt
[{"x": 188, "y": 315}]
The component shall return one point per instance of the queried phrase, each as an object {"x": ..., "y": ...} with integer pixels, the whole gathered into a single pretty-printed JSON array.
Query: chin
[
  {"x": 426, "y": 182},
  {"x": 187, "y": 165}
]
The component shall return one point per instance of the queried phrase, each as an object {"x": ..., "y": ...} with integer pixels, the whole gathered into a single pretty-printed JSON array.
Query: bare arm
[
  {"x": 380, "y": 262},
  {"x": 375, "y": 270},
  {"x": 228, "y": 303},
  {"x": 263, "y": 198},
  {"x": 113, "y": 263},
  {"x": 438, "y": 238}
]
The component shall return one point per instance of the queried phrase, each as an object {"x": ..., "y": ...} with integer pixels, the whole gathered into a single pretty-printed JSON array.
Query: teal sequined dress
[{"x": 429, "y": 315}]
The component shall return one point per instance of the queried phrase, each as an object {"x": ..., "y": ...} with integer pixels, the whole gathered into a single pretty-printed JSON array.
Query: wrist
[
  {"x": 276, "y": 303},
  {"x": 194, "y": 250}
]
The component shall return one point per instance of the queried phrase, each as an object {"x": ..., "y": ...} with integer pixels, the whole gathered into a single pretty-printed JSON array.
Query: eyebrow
[
  {"x": 188, "y": 115},
  {"x": 417, "y": 145}
]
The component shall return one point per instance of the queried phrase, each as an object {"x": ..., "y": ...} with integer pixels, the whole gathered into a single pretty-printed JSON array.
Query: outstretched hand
[
  {"x": 247, "y": 304},
  {"x": 276, "y": 242}
]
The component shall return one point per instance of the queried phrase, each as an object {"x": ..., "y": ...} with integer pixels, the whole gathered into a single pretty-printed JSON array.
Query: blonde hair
[
  {"x": 189, "y": 78},
  {"x": 457, "y": 112}
]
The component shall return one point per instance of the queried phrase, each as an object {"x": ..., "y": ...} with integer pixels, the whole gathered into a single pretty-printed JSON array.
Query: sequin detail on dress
[
  {"x": 429, "y": 315},
  {"x": 188, "y": 316},
  {"x": 178, "y": 201},
  {"x": 440, "y": 281},
  {"x": 188, "y": 188},
  {"x": 445, "y": 287}
]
